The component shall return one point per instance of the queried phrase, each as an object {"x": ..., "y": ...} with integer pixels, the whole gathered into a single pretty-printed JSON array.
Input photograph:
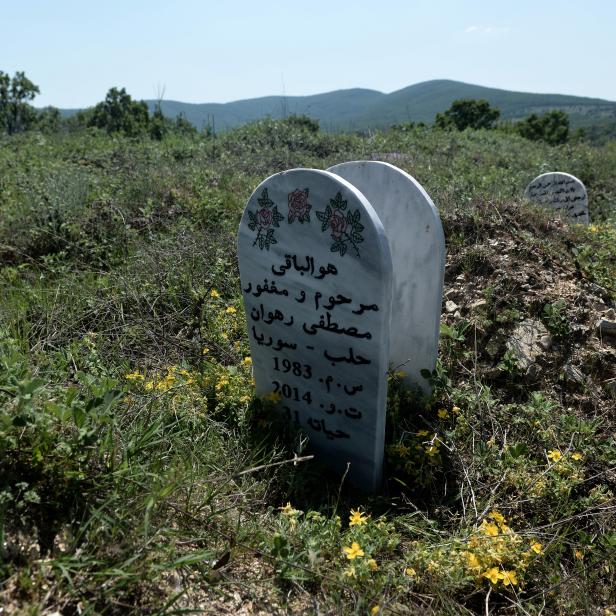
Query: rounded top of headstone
[
  {"x": 330, "y": 211},
  {"x": 563, "y": 192},
  {"x": 383, "y": 184}
]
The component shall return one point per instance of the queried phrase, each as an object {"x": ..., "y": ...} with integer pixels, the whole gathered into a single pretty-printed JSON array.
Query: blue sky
[{"x": 202, "y": 51}]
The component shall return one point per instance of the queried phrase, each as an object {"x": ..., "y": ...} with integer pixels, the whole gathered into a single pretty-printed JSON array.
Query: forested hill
[{"x": 358, "y": 108}]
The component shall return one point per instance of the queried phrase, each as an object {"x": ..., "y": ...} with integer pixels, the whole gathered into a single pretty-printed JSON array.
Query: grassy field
[{"x": 139, "y": 474}]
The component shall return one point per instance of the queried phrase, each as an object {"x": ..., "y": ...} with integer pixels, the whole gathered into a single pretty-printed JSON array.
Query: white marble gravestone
[
  {"x": 415, "y": 235},
  {"x": 316, "y": 275},
  {"x": 562, "y": 192}
]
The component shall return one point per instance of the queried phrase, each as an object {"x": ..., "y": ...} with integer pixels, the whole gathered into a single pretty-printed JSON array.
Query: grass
[{"x": 139, "y": 474}]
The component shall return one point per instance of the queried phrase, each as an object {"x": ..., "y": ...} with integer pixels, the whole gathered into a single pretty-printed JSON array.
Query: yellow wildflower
[
  {"x": 554, "y": 455},
  {"x": 273, "y": 397},
  {"x": 354, "y": 551},
  {"x": 489, "y": 529},
  {"x": 375, "y": 609},
  {"x": 205, "y": 350},
  {"x": 399, "y": 449},
  {"x": 509, "y": 577},
  {"x": 214, "y": 293},
  {"x": 442, "y": 414},
  {"x": 373, "y": 564},
  {"x": 221, "y": 384},
  {"x": 349, "y": 572},
  {"x": 497, "y": 517},
  {"x": 247, "y": 360},
  {"x": 536, "y": 548},
  {"x": 577, "y": 456},
  {"x": 410, "y": 571},
  {"x": 357, "y": 518},
  {"x": 493, "y": 574},
  {"x": 134, "y": 376},
  {"x": 456, "y": 409},
  {"x": 579, "y": 554},
  {"x": 149, "y": 385},
  {"x": 289, "y": 511},
  {"x": 245, "y": 399},
  {"x": 473, "y": 561},
  {"x": 230, "y": 310},
  {"x": 432, "y": 450}
]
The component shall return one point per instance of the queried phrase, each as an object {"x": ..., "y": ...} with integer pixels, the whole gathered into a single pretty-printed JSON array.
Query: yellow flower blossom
[
  {"x": 489, "y": 529},
  {"x": 354, "y": 551},
  {"x": 205, "y": 351},
  {"x": 493, "y": 574},
  {"x": 442, "y": 414},
  {"x": 456, "y": 410},
  {"x": 536, "y": 548},
  {"x": 554, "y": 455},
  {"x": 214, "y": 293},
  {"x": 349, "y": 572},
  {"x": 410, "y": 572},
  {"x": 289, "y": 511},
  {"x": 579, "y": 554},
  {"x": 230, "y": 310},
  {"x": 499, "y": 518},
  {"x": 134, "y": 376},
  {"x": 577, "y": 456},
  {"x": 509, "y": 577},
  {"x": 245, "y": 399},
  {"x": 375, "y": 609},
  {"x": 473, "y": 561},
  {"x": 357, "y": 518},
  {"x": 222, "y": 383},
  {"x": 149, "y": 385},
  {"x": 373, "y": 564},
  {"x": 399, "y": 449},
  {"x": 432, "y": 450},
  {"x": 247, "y": 360}
]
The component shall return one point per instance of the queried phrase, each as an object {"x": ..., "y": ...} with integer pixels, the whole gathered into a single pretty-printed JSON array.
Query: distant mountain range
[{"x": 359, "y": 109}]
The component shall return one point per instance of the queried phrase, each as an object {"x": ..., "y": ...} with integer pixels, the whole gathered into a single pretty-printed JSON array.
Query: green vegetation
[
  {"x": 551, "y": 127},
  {"x": 15, "y": 113},
  {"x": 139, "y": 473},
  {"x": 468, "y": 113}
]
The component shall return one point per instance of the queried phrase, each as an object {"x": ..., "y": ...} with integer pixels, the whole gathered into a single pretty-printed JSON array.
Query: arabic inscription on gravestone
[
  {"x": 316, "y": 276},
  {"x": 561, "y": 191}
]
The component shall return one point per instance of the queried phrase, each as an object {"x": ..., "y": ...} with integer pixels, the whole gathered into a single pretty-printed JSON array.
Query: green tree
[
  {"x": 119, "y": 113},
  {"x": 15, "y": 113},
  {"x": 49, "y": 120},
  {"x": 468, "y": 113},
  {"x": 552, "y": 127}
]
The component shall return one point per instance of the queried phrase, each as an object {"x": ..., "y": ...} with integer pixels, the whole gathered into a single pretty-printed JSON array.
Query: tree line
[
  {"x": 117, "y": 114},
  {"x": 120, "y": 114}
]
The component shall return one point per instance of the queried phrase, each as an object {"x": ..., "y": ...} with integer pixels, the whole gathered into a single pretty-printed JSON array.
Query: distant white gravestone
[
  {"x": 316, "y": 276},
  {"x": 415, "y": 235},
  {"x": 562, "y": 192}
]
